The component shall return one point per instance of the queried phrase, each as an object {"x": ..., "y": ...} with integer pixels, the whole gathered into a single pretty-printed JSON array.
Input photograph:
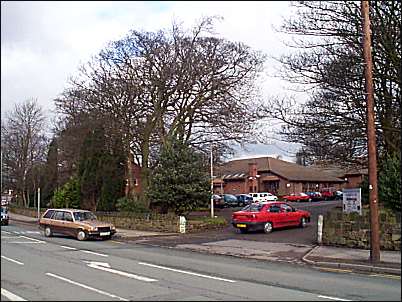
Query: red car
[
  {"x": 297, "y": 197},
  {"x": 268, "y": 215}
]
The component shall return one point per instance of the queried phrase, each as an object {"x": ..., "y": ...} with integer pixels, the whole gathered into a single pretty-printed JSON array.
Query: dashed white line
[
  {"x": 6, "y": 232},
  {"x": 89, "y": 252},
  {"x": 10, "y": 296},
  {"x": 333, "y": 298},
  {"x": 68, "y": 247},
  {"x": 186, "y": 272},
  {"x": 87, "y": 287},
  {"x": 12, "y": 260}
]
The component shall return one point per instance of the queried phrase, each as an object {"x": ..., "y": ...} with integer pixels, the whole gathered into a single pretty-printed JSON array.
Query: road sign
[{"x": 352, "y": 200}]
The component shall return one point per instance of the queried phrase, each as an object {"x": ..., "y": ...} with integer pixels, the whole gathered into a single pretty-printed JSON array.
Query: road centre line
[
  {"x": 186, "y": 272},
  {"x": 86, "y": 287},
  {"x": 8, "y": 237},
  {"x": 89, "y": 252},
  {"x": 68, "y": 247},
  {"x": 5, "y": 232},
  {"x": 12, "y": 260},
  {"x": 333, "y": 298},
  {"x": 10, "y": 296}
]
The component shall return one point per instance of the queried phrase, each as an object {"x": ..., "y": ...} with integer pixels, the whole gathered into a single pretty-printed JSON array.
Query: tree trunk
[
  {"x": 144, "y": 173},
  {"x": 130, "y": 176}
]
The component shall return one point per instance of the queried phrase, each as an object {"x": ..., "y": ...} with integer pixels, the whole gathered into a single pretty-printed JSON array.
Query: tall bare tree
[
  {"x": 154, "y": 86},
  {"x": 328, "y": 64},
  {"x": 23, "y": 145}
]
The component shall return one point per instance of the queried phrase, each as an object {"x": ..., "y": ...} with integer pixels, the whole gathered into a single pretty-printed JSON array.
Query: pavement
[{"x": 336, "y": 258}]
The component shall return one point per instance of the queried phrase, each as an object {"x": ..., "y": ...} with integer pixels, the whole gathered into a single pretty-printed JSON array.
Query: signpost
[{"x": 352, "y": 200}]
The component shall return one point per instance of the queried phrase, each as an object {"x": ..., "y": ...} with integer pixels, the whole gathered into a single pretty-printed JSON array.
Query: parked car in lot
[
  {"x": 269, "y": 215},
  {"x": 315, "y": 196},
  {"x": 230, "y": 200},
  {"x": 263, "y": 196},
  {"x": 244, "y": 199},
  {"x": 218, "y": 201},
  {"x": 297, "y": 197},
  {"x": 338, "y": 195},
  {"x": 4, "y": 216},
  {"x": 81, "y": 224},
  {"x": 327, "y": 195}
]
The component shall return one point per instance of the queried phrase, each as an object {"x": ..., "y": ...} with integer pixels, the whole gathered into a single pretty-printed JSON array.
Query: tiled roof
[{"x": 287, "y": 170}]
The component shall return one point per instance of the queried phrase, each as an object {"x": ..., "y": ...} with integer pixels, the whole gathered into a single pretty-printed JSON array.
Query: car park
[
  {"x": 81, "y": 224},
  {"x": 297, "y": 197},
  {"x": 267, "y": 216},
  {"x": 263, "y": 196},
  {"x": 4, "y": 216},
  {"x": 244, "y": 199}
]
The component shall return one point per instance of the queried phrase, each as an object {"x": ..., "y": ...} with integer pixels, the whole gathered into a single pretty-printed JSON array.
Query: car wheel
[
  {"x": 81, "y": 235},
  {"x": 303, "y": 222},
  {"x": 48, "y": 232},
  {"x": 267, "y": 227}
]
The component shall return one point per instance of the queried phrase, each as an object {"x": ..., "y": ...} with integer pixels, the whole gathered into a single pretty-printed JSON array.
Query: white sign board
[
  {"x": 352, "y": 200},
  {"x": 182, "y": 224}
]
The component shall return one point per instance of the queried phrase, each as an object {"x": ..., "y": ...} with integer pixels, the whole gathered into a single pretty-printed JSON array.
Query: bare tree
[
  {"x": 23, "y": 145},
  {"x": 154, "y": 86},
  {"x": 328, "y": 64}
]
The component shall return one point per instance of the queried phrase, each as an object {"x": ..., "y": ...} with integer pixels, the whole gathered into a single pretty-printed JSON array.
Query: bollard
[
  {"x": 319, "y": 232},
  {"x": 182, "y": 224}
]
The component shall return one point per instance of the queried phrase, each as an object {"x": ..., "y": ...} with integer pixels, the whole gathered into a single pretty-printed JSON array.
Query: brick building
[{"x": 267, "y": 174}]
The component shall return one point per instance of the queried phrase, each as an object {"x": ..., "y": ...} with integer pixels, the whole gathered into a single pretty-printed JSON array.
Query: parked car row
[{"x": 241, "y": 200}]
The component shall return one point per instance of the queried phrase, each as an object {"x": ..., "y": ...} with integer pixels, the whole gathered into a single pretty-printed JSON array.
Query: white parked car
[{"x": 263, "y": 196}]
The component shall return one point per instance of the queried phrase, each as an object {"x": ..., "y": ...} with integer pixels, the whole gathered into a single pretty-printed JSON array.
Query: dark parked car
[
  {"x": 244, "y": 199},
  {"x": 230, "y": 200},
  {"x": 315, "y": 196}
]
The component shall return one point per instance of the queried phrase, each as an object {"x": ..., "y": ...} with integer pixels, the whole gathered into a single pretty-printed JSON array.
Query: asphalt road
[{"x": 34, "y": 267}]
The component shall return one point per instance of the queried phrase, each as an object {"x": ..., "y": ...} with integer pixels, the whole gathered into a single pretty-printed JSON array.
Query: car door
[
  {"x": 291, "y": 217},
  {"x": 275, "y": 215},
  {"x": 57, "y": 223},
  {"x": 68, "y": 224}
]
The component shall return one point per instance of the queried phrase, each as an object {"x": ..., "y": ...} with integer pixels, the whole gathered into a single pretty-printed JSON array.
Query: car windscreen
[
  {"x": 80, "y": 216},
  {"x": 255, "y": 207}
]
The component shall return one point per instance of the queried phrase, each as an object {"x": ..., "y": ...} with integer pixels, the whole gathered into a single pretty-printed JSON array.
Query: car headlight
[
  {"x": 112, "y": 227},
  {"x": 94, "y": 229}
]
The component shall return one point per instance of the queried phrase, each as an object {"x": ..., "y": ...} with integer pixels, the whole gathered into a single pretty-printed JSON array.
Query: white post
[
  {"x": 38, "y": 203},
  {"x": 319, "y": 233},
  {"x": 212, "y": 187}
]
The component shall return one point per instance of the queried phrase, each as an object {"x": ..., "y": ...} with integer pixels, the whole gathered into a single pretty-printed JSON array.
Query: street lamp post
[{"x": 212, "y": 186}]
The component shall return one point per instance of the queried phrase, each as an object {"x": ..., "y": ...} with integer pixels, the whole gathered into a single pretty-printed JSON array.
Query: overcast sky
[{"x": 43, "y": 43}]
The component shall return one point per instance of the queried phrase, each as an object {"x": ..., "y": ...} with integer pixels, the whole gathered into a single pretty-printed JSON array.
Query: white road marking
[
  {"x": 33, "y": 239},
  {"x": 186, "y": 272},
  {"x": 10, "y": 296},
  {"x": 333, "y": 298},
  {"x": 67, "y": 247},
  {"x": 87, "y": 287},
  {"x": 12, "y": 260},
  {"x": 32, "y": 232},
  {"x": 30, "y": 242},
  {"x": 89, "y": 252},
  {"x": 10, "y": 237},
  {"x": 106, "y": 267},
  {"x": 6, "y": 232}
]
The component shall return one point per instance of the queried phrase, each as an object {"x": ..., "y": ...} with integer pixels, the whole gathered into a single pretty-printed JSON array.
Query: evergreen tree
[
  {"x": 51, "y": 173},
  {"x": 89, "y": 171},
  {"x": 180, "y": 181}
]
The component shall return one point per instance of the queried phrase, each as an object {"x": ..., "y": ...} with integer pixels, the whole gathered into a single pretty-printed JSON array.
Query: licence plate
[
  {"x": 239, "y": 225},
  {"x": 104, "y": 233}
]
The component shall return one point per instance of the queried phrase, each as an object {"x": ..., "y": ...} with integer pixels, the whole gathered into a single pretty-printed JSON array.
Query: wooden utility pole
[{"x": 371, "y": 136}]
